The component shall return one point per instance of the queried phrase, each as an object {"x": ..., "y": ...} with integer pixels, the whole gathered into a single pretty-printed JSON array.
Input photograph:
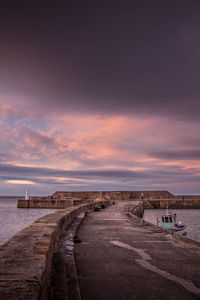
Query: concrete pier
[
  {"x": 121, "y": 258},
  {"x": 114, "y": 255}
]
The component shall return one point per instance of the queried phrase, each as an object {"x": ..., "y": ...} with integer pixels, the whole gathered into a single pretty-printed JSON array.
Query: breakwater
[
  {"x": 151, "y": 199},
  {"x": 173, "y": 203},
  {"x": 26, "y": 259},
  {"x": 43, "y": 202}
]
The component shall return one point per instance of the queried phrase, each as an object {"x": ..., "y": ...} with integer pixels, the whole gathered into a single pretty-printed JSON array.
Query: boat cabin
[{"x": 171, "y": 218}]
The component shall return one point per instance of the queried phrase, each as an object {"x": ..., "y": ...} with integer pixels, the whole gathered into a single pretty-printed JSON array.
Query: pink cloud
[{"x": 95, "y": 141}]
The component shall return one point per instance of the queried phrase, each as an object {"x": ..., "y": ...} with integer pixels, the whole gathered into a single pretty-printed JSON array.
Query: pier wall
[
  {"x": 26, "y": 259},
  {"x": 49, "y": 203},
  {"x": 113, "y": 195},
  {"x": 151, "y": 199},
  {"x": 173, "y": 203},
  {"x": 187, "y": 197},
  {"x": 62, "y": 199}
]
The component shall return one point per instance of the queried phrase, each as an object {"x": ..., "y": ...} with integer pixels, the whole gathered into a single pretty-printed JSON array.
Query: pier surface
[{"x": 120, "y": 258}]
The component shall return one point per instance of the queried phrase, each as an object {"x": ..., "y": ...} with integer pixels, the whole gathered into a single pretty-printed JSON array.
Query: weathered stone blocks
[{"x": 26, "y": 259}]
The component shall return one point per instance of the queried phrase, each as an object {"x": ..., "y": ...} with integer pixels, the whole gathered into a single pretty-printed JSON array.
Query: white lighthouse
[{"x": 27, "y": 197}]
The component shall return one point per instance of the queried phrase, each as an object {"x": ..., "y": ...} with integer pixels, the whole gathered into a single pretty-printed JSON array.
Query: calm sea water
[
  {"x": 189, "y": 216},
  {"x": 13, "y": 219}
]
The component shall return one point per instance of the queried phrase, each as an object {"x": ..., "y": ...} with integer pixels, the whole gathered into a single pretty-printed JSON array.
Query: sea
[
  {"x": 13, "y": 219},
  {"x": 191, "y": 217}
]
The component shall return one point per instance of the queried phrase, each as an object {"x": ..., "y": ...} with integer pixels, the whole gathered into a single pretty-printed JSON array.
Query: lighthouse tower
[{"x": 27, "y": 197}]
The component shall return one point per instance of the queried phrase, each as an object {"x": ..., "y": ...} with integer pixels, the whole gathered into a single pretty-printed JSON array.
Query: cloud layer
[
  {"x": 99, "y": 95},
  {"x": 135, "y": 57},
  {"x": 95, "y": 152}
]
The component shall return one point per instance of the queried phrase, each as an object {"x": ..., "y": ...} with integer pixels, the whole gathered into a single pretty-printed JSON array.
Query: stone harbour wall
[
  {"x": 64, "y": 199},
  {"x": 187, "y": 197},
  {"x": 26, "y": 259},
  {"x": 49, "y": 203},
  {"x": 151, "y": 199},
  {"x": 114, "y": 195},
  {"x": 173, "y": 203}
]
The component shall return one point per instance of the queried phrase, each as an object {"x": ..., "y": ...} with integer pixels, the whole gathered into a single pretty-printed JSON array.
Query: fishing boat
[{"x": 169, "y": 222}]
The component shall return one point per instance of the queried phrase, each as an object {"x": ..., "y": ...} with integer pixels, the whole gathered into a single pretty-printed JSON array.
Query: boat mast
[{"x": 167, "y": 210}]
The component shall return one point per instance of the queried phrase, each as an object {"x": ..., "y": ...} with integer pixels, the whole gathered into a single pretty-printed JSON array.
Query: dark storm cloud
[
  {"x": 105, "y": 56},
  {"x": 6, "y": 169},
  {"x": 177, "y": 154},
  {"x": 45, "y": 175}
]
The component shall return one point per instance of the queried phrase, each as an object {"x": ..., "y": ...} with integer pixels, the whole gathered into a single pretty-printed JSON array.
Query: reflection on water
[
  {"x": 191, "y": 217},
  {"x": 13, "y": 219}
]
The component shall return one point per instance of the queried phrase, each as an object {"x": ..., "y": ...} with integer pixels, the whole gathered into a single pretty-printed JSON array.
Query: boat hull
[{"x": 173, "y": 227}]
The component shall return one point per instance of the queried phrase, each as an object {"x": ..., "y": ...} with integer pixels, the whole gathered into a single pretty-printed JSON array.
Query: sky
[{"x": 99, "y": 95}]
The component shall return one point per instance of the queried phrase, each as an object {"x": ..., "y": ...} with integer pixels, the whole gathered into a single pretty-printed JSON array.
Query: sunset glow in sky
[{"x": 98, "y": 96}]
